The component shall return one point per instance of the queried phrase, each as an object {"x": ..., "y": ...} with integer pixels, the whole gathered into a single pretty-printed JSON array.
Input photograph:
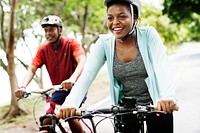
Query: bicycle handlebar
[
  {"x": 42, "y": 91},
  {"x": 80, "y": 113},
  {"x": 176, "y": 107}
]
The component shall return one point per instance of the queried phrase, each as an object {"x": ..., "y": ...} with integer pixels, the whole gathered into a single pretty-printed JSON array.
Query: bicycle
[
  {"x": 140, "y": 111},
  {"x": 46, "y": 93},
  {"x": 131, "y": 107}
]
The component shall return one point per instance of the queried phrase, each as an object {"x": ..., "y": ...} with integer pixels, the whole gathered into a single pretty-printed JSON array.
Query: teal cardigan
[{"x": 159, "y": 81}]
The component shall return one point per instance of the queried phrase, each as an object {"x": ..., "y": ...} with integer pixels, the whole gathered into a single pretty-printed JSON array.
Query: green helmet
[
  {"x": 51, "y": 20},
  {"x": 133, "y": 2}
]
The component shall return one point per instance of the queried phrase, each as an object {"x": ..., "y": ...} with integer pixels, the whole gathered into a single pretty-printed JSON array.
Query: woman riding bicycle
[{"x": 137, "y": 65}]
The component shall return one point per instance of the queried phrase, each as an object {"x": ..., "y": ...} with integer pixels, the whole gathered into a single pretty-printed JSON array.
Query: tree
[
  {"x": 10, "y": 32},
  {"x": 169, "y": 32},
  {"x": 185, "y": 12},
  {"x": 181, "y": 10},
  {"x": 86, "y": 18},
  {"x": 10, "y": 47}
]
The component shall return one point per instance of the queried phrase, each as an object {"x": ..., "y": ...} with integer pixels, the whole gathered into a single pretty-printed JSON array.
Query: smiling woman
[
  {"x": 115, "y": 17},
  {"x": 137, "y": 66}
]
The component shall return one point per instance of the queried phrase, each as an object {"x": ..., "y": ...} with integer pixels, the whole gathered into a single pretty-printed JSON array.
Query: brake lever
[
  {"x": 57, "y": 88},
  {"x": 25, "y": 95}
]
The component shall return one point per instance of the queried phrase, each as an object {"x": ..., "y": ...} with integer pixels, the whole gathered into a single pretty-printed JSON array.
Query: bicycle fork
[
  {"x": 51, "y": 128},
  {"x": 141, "y": 118},
  {"x": 119, "y": 125}
]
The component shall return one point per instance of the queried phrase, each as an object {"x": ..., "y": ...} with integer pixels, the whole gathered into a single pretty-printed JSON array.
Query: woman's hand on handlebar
[
  {"x": 66, "y": 112},
  {"x": 19, "y": 92},
  {"x": 167, "y": 106}
]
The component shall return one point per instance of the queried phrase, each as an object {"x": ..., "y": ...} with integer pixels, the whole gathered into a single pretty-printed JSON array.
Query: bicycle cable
[
  {"x": 104, "y": 117},
  {"x": 34, "y": 116},
  {"x": 87, "y": 125}
]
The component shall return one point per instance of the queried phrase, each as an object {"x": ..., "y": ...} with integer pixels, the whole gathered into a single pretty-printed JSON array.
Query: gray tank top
[{"x": 132, "y": 76}]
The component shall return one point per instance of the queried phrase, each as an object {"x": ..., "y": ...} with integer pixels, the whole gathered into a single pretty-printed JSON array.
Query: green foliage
[
  {"x": 26, "y": 15},
  {"x": 76, "y": 11},
  {"x": 171, "y": 34},
  {"x": 185, "y": 12},
  {"x": 181, "y": 10},
  {"x": 86, "y": 18},
  {"x": 194, "y": 28}
]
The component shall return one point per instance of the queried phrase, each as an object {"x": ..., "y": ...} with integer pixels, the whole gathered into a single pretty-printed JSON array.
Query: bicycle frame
[
  {"x": 42, "y": 127},
  {"x": 50, "y": 128},
  {"x": 131, "y": 107}
]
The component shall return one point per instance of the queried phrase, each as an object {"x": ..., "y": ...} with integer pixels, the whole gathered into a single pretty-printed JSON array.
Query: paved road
[{"x": 186, "y": 67}]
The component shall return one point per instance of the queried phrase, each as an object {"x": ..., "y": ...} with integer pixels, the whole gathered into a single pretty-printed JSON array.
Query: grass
[{"x": 21, "y": 121}]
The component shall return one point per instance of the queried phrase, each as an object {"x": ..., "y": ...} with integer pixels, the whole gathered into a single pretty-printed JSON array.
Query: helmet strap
[
  {"x": 57, "y": 40},
  {"x": 132, "y": 28}
]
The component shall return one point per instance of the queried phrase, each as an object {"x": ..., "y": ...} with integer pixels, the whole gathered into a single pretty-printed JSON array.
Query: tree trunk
[{"x": 14, "y": 107}]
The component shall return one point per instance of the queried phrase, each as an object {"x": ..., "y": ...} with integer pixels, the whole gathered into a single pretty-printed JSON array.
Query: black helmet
[
  {"x": 51, "y": 20},
  {"x": 133, "y": 2}
]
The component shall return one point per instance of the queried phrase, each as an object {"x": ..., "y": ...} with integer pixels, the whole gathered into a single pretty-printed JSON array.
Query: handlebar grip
[
  {"x": 176, "y": 107},
  {"x": 58, "y": 116},
  {"x": 77, "y": 113}
]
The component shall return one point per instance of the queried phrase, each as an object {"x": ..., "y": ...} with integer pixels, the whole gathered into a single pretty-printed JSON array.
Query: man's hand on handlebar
[
  {"x": 67, "y": 84},
  {"x": 19, "y": 92}
]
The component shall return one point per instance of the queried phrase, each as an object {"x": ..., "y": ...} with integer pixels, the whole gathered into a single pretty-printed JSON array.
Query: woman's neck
[{"x": 130, "y": 41}]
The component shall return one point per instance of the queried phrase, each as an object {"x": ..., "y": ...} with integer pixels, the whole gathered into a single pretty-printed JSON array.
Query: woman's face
[{"x": 119, "y": 20}]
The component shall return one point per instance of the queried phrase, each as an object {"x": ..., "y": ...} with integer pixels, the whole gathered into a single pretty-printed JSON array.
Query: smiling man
[{"x": 64, "y": 59}]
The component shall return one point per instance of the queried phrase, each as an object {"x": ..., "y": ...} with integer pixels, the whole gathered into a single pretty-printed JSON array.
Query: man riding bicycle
[{"x": 64, "y": 59}]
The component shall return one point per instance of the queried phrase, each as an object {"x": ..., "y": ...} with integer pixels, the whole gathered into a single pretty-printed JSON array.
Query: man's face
[{"x": 52, "y": 33}]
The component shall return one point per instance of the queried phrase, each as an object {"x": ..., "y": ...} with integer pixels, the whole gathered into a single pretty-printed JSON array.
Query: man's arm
[
  {"x": 80, "y": 64},
  {"x": 29, "y": 76}
]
